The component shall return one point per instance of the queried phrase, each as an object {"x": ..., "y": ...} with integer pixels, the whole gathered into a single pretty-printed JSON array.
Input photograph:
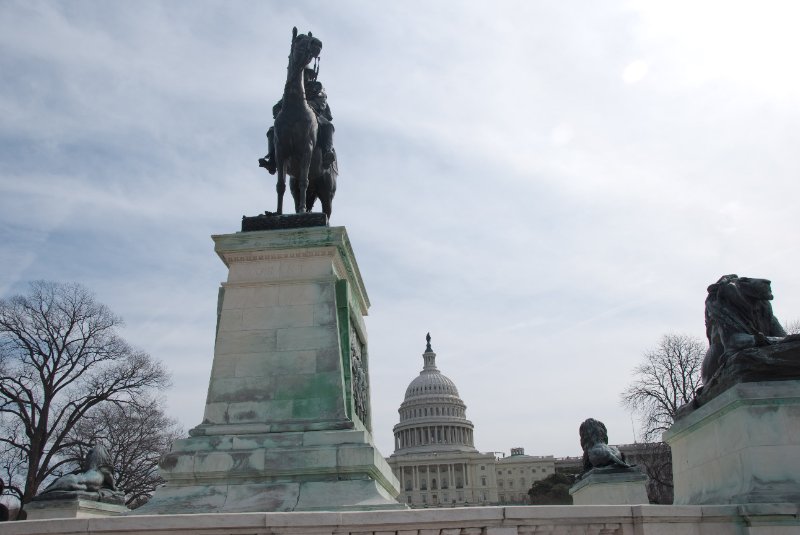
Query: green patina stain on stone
[
  {"x": 343, "y": 317},
  {"x": 313, "y": 408},
  {"x": 310, "y": 386}
]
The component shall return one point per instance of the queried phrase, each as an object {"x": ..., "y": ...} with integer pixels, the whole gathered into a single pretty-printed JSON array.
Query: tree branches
[
  {"x": 60, "y": 357},
  {"x": 666, "y": 378}
]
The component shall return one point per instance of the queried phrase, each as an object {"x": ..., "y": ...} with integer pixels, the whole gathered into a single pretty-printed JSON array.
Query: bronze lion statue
[
  {"x": 596, "y": 451},
  {"x": 98, "y": 473},
  {"x": 738, "y": 316}
]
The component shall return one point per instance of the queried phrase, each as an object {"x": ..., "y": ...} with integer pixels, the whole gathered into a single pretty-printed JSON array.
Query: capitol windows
[
  {"x": 408, "y": 485},
  {"x": 424, "y": 498},
  {"x": 511, "y": 483},
  {"x": 500, "y": 484},
  {"x": 433, "y": 484},
  {"x": 408, "y": 499},
  {"x": 502, "y": 497},
  {"x": 522, "y": 482},
  {"x": 461, "y": 496},
  {"x": 483, "y": 481},
  {"x": 484, "y": 468},
  {"x": 423, "y": 484}
]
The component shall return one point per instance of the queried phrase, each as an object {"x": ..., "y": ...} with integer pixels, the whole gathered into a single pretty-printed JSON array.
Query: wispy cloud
[{"x": 546, "y": 189}]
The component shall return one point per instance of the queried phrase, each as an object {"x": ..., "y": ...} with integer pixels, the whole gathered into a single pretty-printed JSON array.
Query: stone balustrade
[{"x": 760, "y": 519}]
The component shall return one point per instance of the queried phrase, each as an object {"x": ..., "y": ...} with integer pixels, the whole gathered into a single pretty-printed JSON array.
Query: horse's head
[{"x": 305, "y": 48}]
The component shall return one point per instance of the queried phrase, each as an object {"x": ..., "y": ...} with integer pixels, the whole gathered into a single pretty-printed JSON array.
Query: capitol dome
[
  {"x": 432, "y": 416},
  {"x": 431, "y": 381}
]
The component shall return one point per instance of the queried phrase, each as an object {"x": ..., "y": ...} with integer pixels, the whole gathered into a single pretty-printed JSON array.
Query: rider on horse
[{"x": 318, "y": 101}]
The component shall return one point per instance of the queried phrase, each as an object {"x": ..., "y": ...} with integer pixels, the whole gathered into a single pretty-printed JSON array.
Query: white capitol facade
[{"x": 435, "y": 458}]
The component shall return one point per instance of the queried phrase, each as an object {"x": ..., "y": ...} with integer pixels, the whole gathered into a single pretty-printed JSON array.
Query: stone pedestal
[
  {"x": 740, "y": 447},
  {"x": 72, "y": 508},
  {"x": 287, "y": 418},
  {"x": 610, "y": 488}
]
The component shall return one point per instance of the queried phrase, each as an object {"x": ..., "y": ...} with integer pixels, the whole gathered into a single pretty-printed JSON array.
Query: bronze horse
[{"x": 296, "y": 128}]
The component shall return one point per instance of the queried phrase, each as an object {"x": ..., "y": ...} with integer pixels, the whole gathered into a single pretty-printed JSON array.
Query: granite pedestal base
[
  {"x": 287, "y": 418},
  {"x": 292, "y": 471},
  {"x": 741, "y": 447},
  {"x": 72, "y": 508},
  {"x": 610, "y": 488}
]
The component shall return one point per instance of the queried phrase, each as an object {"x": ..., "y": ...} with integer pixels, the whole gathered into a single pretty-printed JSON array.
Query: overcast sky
[{"x": 546, "y": 187}]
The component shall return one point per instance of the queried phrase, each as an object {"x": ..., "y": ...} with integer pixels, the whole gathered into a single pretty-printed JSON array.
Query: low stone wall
[{"x": 759, "y": 519}]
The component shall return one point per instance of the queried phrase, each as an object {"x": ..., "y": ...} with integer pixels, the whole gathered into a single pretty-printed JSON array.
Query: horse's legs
[
  {"x": 293, "y": 189},
  {"x": 311, "y": 198},
  {"x": 302, "y": 189},
  {"x": 299, "y": 203},
  {"x": 281, "y": 185},
  {"x": 302, "y": 180},
  {"x": 328, "y": 190},
  {"x": 326, "y": 201}
]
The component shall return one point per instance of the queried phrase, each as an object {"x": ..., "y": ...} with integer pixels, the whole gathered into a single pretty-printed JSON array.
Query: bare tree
[
  {"x": 792, "y": 327},
  {"x": 666, "y": 379},
  {"x": 60, "y": 357},
  {"x": 135, "y": 435},
  {"x": 655, "y": 458}
]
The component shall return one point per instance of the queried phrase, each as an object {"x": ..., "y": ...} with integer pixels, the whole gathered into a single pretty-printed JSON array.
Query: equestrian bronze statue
[{"x": 301, "y": 142}]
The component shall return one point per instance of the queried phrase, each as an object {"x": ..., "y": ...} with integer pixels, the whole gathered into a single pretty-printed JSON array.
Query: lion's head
[
  {"x": 592, "y": 432},
  {"x": 97, "y": 458}
]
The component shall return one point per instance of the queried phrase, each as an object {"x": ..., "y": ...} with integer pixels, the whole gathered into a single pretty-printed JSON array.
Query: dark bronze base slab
[
  {"x": 777, "y": 362},
  {"x": 270, "y": 221}
]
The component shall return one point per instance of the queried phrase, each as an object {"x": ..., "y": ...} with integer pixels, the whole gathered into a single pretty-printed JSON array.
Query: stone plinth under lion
[
  {"x": 287, "y": 417},
  {"x": 85, "y": 494},
  {"x": 738, "y": 441},
  {"x": 606, "y": 479}
]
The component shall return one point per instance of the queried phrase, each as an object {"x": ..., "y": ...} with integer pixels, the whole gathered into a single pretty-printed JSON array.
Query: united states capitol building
[{"x": 435, "y": 458}]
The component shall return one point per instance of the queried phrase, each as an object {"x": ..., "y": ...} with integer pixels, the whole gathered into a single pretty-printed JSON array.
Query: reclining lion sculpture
[
  {"x": 596, "y": 451},
  {"x": 738, "y": 316},
  {"x": 97, "y": 474}
]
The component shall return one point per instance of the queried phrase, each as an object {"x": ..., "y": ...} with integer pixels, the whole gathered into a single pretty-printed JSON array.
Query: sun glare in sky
[{"x": 635, "y": 71}]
